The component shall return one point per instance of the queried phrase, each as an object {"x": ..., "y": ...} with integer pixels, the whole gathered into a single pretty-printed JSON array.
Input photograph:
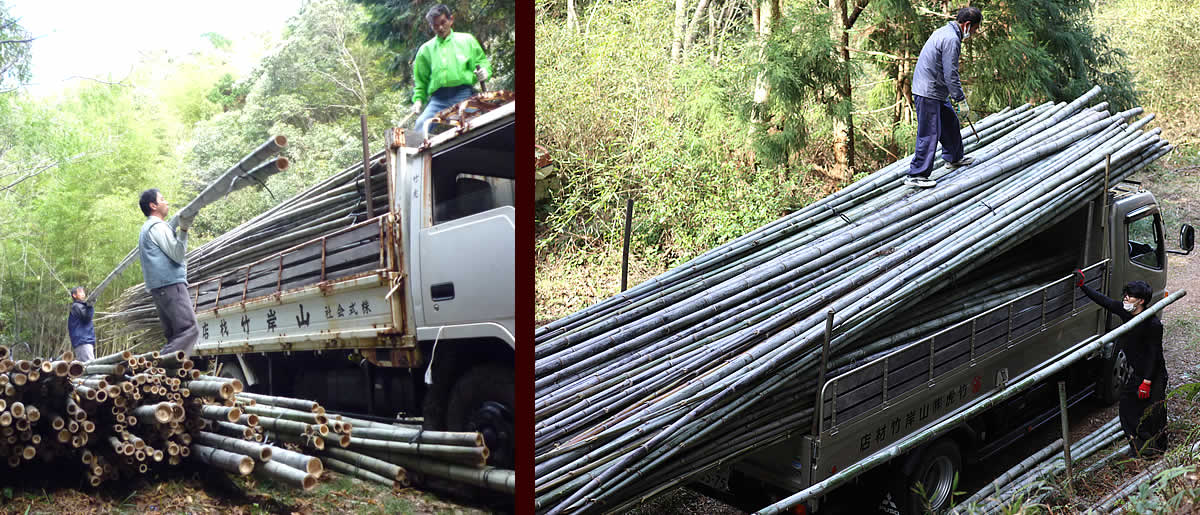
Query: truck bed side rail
[
  {"x": 849, "y": 395},
  {"x": 350, "y": 252}
]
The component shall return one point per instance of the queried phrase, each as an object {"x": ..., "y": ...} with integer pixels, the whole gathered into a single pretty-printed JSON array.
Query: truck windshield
[{"x": 1146, "y": 241}]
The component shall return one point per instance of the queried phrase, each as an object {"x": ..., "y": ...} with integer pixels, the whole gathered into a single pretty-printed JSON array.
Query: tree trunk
[
  {"x": 766, "y": 14},
  {"x": 572, "y": 17},
  {"x": 677, "y": 32},
  {"x": 694, "y": 26},
  {"x": 843, "y": 128}
]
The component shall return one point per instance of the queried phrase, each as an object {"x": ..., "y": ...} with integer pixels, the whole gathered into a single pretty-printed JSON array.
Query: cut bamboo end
[
  {"x": 98, "y": 395},
  {"x": 234, "y": 414},
  {"x": 89, "y": 426},
  {"x": 19, "y": 379},
  {"x": 24, "y": 366},
  {"x": 158, "y": 455},
  {"x": 47, "y": 367},
  {"x": 185, "y": 451},
  {"x": 17, "y": 409},
  {"x": 28, "y": 452},
  {"x": 95, "y": 481},
  {"x": 309, "y": 482},
  {"x": 32, "y": 414},
  {"x": 61, "y": 368},
  {"x": 142, "y": 468}
]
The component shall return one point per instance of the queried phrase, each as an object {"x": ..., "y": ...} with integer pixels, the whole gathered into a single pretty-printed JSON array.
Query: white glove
[
  {"x": 416, "y": 108},
  {"x": 966, "y": 109},
  {"x": 480, "y": 74},
  {"x": 185, "y": 223}
]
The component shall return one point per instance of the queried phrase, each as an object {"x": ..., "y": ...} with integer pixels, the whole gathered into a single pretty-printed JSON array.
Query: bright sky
[{"x": 102, "y": 38}]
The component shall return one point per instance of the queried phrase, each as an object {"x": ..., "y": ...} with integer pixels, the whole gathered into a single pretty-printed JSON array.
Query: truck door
[
  {"x": 467, "y": 242},
  {"x": 1139, "y": 249}
]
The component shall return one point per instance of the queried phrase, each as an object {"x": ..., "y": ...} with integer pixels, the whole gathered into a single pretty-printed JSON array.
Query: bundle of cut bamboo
[
  {"x": 718, "y": 357},
  {"x": 374, "y": 451}
]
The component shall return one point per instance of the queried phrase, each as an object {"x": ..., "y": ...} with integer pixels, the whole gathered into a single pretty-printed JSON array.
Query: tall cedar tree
[{"x": 400, "y": 26}]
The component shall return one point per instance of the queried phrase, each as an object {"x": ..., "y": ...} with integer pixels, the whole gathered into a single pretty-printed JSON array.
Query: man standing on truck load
[
  {"x": 446, "y": 67},
  {"x": 935, "y": 83},
  {"x": 164, "y": 268},
  {"x": 1143, "y": 408},
  {"x": 79, "y": 325}
]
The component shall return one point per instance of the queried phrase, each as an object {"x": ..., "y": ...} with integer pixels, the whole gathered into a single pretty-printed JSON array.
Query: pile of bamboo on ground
[
  {"x": 332, "y": 205},
  {"x": 719, "y": 357},
  {"x": 1030, "y": 479},
  {"x": 116, "y": 416},
  {"x": 374, "y": 451}
]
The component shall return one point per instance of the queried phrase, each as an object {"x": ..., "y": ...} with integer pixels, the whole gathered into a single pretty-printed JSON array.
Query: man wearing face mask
[
  {"x": 1143, "y": 410},
  {"x": 935, "y": 83}
]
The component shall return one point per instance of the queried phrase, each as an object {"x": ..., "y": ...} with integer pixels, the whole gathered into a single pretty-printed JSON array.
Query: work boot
[
  {"x": 919, "y": 182},
  {"x": 966, "y": 161}
]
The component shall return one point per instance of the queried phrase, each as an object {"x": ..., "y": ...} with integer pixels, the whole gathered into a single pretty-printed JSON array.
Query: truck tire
[
  {"x": 937, "y": 468},
  {"x": 1113, "y": 374},
  {"x": 482, "y": 400}
]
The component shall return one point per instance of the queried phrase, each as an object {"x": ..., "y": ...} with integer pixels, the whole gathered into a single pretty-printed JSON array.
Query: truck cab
[{"x": 408, "y": 312}]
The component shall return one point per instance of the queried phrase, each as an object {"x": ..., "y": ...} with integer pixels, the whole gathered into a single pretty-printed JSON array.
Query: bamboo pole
[{"x": 230, "y": 462}]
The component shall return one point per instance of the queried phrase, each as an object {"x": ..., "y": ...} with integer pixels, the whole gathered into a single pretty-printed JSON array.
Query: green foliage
[
  {"x": 310, "y": 88},
  {"x": 621, "y": 122},
  {"x": 400, "y": 26},
  {"x": 97, "y": 148},
  {"x": 801, "y": 68},
  {"x": 1160, "y": 38},
  {"x": 227, "y": 94},
  {"x": 1165, "y": 493},
  {"x": 15, "y": 56}
]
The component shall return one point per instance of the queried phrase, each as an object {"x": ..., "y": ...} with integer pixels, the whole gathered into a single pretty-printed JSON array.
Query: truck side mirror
[{"x": 1187, "y": 240}]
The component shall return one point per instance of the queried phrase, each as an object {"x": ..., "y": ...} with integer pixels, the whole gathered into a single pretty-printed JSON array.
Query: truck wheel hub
[{"x": 494, "y": 421}]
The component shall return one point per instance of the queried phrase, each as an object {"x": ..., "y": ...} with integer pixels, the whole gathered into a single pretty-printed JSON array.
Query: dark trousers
[
  {"x": 1145, "y": 421},
  {"x": 174, "y": 307},
  {"x": 936, "y": 121}
]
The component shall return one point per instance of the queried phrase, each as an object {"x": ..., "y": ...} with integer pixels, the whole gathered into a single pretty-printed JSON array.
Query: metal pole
[
  {"x": 1066, "y": 429},
  {"x": 823, "y": 371},
  {"x": 367, "y": 166},
  {"x": 625, "y": 250}
]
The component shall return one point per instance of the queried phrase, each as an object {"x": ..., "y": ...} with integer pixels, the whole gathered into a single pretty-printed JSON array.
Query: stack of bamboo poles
[
  {"x": 332, "y": 205},
  {"x": 1029, "y": 479},
  {"x": 374, "y": 451},
  {"x": 716, "y": 358}
]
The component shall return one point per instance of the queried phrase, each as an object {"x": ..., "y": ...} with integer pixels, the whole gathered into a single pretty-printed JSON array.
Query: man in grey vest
[
  {"x": 935, "y": 83},
  {"x": 164, "y": 268}
]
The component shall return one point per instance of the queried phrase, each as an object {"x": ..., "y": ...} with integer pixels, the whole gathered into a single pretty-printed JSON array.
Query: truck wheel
[
  {"x": 930, "y": 485},
  {"x": 1113, "y": 375},
  {"x": 482, "y": 400}
]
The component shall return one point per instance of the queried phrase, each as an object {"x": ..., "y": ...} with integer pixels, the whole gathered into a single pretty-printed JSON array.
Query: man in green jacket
[{"x": 446, "y": 68}]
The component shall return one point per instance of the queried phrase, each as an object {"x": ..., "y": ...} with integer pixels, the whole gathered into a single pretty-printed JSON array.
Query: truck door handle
[{"x": 443, "y": 291}]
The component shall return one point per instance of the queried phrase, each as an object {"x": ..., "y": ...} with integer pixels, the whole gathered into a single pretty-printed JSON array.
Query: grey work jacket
[{"x": 936, "y": 74}]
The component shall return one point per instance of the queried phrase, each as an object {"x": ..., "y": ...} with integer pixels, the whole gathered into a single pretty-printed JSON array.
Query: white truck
[{"x": 408, "y": 314}]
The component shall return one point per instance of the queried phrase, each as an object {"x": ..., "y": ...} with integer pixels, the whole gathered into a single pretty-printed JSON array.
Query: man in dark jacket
[
  {"x": 79, "y": 326},
  {"x": 935, "y": 82},
  {"x": 1143, "y": 410}
]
